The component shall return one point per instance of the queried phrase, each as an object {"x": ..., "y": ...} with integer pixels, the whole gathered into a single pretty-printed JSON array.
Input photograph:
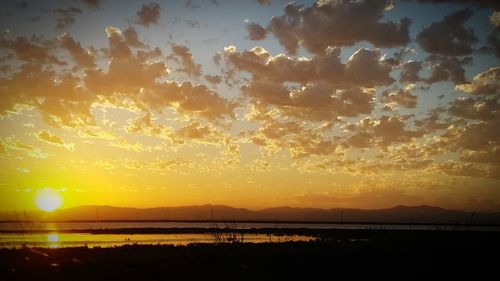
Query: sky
[{"x": 252, "y": 103}]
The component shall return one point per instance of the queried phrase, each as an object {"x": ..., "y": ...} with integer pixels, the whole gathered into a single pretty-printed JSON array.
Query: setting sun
[{"x": 48, "y": 200}]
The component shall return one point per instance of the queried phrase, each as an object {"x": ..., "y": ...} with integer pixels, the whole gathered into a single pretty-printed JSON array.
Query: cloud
[
  {"x": 476, "y": 108},
  {"x": 481, "y": 3},
  {"x": 66, "y": 17},
  {"x": 34, "y": 49},
  {"x": 60, "y": 100},
  {"x": 191, "y": 4},
  {"x": 202, "y": 133},
  {"x": 337, "y": 23},
  {"x": 364, "y": 67},
  {"x": 183, "y": 54},
  {"x": 255, "y": 31},
  {"x": 493, "y": 41},
  {"x": 92, "y": 4},
  {"x": 432, "y": 121},
  {"x": 12, "y": 143},
  {"x": 188, "y": 98},
  {"x": 135, "y": 77},
  {"x": 474, "y": 136},
  {"x": 321, "y": 87},
  {"x": 455, "y": 168},
  {"x": 22, "y": 5},
  {"x": 381, "y": 132},
  {"x": 127, "y": 73},
  {"x": 448, "y": 37},
  {"x": 447, "y": 69},
  {"x": 315, "y": 101},
  {"x": 148, "y": 14},
  {"x": 132, "y": 38},
  {"x": 96, "y": 134},
  {"x": 490, "y": 154},
  {"x": 410, "y": 72},
  {"x": 495, "y": 18},
  {"x": 213, "y": 79},
  {"x": 193, "y": 23},
  {"x": 401, "y": 97},
  {"x": 263, "y": 2},
  {"x": 82, "y": 57},
  {"x": 173, "y": 165},
  {"x": 485, "y": 83},
  {"x": 50, "y": 138},
  {"x": 301, "y": 140}
]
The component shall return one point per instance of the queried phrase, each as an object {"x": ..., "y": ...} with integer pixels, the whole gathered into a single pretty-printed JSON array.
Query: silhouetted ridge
[{"x": 397, "y": 214}]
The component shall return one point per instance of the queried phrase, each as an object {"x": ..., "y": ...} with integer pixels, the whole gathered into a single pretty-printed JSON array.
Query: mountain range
[{"x": 398, "y": 214}]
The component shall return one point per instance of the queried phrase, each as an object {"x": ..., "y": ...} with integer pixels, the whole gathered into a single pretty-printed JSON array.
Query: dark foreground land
[{"x": 337, "y": 255}]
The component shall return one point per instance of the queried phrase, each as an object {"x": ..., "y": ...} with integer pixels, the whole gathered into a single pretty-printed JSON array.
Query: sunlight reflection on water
[{"x": 61, "y": 240}]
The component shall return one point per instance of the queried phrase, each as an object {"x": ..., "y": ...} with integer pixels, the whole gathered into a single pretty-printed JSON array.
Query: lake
[{"x": 77, "y": 234}]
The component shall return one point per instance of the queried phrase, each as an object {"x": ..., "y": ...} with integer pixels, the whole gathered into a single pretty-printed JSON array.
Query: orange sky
[{"x": 352, "y": 104}]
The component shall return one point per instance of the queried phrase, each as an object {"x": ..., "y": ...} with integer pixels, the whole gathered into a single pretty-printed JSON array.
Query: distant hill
[{"x": 398, "y": 214}]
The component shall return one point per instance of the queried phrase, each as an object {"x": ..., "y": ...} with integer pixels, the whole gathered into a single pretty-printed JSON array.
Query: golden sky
[{"x": 255, "y": 104}]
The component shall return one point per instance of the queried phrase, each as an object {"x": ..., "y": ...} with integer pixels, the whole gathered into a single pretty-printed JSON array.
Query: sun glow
[{"x": 48, "y": 200}]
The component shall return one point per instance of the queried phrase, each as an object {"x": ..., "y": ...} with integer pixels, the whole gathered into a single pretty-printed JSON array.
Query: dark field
[{"x": 337, "y": 255}]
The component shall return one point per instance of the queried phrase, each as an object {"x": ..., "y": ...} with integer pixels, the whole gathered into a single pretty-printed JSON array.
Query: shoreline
[
  {"x": 261, "y": 222},
  {"x": 450, "y": 257},
  {"x": 270, "y": 230}
]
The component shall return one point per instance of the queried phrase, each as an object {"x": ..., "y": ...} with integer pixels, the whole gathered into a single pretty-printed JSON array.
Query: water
[
  {"x": 61, "y": 240},
  {"x": 68, "y": 226},
  {"x": 72, "y": 234}
]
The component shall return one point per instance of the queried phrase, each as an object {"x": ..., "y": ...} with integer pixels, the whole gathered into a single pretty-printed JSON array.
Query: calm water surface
[
  {"x": 58, "y": 240},
  {"x": 32, "y": 226},
  {"x": 19, "y": 234}
]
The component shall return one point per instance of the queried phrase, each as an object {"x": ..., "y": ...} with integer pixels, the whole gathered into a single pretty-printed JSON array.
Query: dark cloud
[
  {"x": 148, "y": 14},
  {"x": 410, "y": 72},
  {"x": 495, "y": 5},
  {"x": 22, "y": 5},
  {"x": 447, "y": 69},
  {"x": 66, "y": 17},
  {"x": 81, "y": 56},
  {"x": 281, "y": 68},
  {"x": 202, "y": 133},
  {"x": 255, "y": 31},
  {"x": 92, "y": 4},
  {"x": 263, "y": 2},
  {"x": 401, "y": 97},
  {"x": 316, "y": 101},
  {"x": 338, "y": 23},
  {"x": 476, "y": 108},
  {"x": 34, "y": 49},
  {"x": 449, "y": 37},
  {"x": 485, "y": 83},
  {"x": 493, "y": 41},
  {"x": 183, "y": 55},
  {"x": 363, "y": 68},
  {"x": 433, "y": 121},
  {"x": 189, "y": 99},
  {"x": 132, "y": 38}
]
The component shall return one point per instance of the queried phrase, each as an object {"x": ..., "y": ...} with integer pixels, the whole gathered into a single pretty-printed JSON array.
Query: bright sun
[{"x": 48, "y": 200}]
